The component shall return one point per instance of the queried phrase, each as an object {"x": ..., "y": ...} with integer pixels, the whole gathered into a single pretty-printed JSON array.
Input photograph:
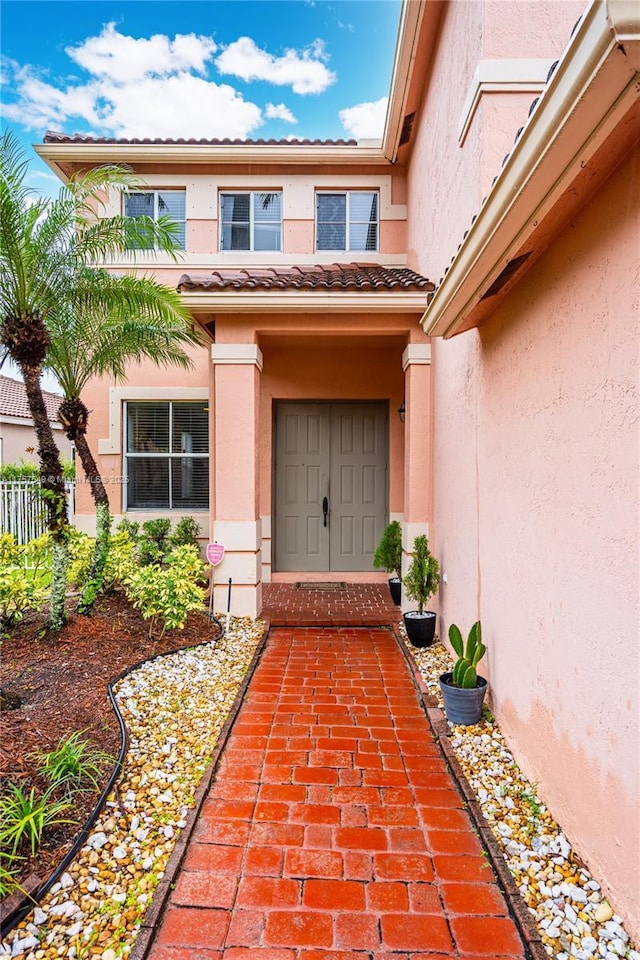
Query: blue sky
[{"x": 195, "y": 68}]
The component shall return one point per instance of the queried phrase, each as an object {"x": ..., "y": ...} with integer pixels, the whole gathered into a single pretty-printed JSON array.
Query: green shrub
[
  {"x": 166, "y": 595},
  {"x": 186, "y": 532},
  {"x": 31, "y": 471},
  {"x": 74, "y": 764},
  {"x": 121, "y": 561},
  {"x": 25, "y": 816},
  {"x": 132, "y": 527},
  {"x": 153, "y": 544},
  {"x": 10, "y": 550},
  {"x": 80, "y": 557},
  {"x": 19, "y": 592}
]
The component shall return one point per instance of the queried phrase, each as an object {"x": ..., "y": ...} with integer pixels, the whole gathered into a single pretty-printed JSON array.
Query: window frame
[
  {"x": 348, "y": 193},
  {"x": 163, "y": 455},
  {"x": 156, "y": 191},
  {"x": 251, "y": 194}
]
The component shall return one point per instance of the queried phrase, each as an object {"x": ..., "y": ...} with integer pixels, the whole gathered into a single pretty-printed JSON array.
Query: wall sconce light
[{"x": 402, "y": 411}]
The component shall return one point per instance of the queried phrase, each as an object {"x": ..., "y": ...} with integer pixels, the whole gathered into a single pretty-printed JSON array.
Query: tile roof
[
  {"x": 52, "y": 136},
  {"x": 336, "y": 276},
  {"x": 13, "y": 400}
]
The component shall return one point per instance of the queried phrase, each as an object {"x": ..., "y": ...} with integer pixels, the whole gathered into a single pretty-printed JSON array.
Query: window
[
  {"x": 167, "y": 455},
  {"x": 251, "y": 221},
  {"x": 347, "y": 220},
  {"x": 155, "y": 204}
]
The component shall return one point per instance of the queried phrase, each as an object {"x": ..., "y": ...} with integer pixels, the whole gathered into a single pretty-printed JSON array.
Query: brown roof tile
[
  {"x": 336, "y": 276},
  {"x": 52, "y": 136},
  {"x": 13, "y": 400}
]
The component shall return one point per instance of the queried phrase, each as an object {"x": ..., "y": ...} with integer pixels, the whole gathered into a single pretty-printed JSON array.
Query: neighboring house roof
[
  {"x": 14, "y": 403},
  {"x": 52, "y": 136},
  {"x": 336, "y": 276}
]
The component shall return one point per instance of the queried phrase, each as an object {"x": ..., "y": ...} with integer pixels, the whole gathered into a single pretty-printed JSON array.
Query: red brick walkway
[{"x": 333, "y": 830}]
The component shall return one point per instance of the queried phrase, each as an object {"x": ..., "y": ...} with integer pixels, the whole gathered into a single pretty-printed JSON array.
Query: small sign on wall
[{"x": 215, "y": 553}]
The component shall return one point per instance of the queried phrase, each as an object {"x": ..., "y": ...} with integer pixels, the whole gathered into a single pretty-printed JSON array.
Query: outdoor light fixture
[{"x": 402, "y": 411}]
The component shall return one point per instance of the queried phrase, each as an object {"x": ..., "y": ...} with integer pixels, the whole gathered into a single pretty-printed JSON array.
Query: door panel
[
  {"x": 358, "y": 480},
  {"x": 338, "y": 451},
  {"x": 302, "y": 479}
]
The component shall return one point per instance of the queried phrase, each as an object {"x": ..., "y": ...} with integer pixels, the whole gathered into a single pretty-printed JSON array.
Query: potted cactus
[
  {"x": 388, "y": 555},
  {"x": 462, "y": 689},
  {"x": 421, "y": 582}
]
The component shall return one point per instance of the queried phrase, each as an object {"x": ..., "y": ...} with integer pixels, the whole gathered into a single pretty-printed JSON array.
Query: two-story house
[{"x": 517, "y": 376}]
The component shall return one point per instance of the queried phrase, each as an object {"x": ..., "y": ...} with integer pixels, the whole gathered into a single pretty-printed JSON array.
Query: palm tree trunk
[
  {"x": 103, "y": 523},
  {"x": 54, "y": 493}
]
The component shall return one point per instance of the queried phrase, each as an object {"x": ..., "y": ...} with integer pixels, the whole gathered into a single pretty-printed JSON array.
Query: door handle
[{"x": 325, "y": 510}]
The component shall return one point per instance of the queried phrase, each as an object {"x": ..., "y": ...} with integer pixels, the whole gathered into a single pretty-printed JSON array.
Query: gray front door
[{"x": 330, "y": 485}]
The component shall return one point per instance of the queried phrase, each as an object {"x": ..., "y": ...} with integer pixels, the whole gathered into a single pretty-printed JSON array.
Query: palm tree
[
  {"x": 46, "y": 247},
  {"x": 113, "y": 320}
]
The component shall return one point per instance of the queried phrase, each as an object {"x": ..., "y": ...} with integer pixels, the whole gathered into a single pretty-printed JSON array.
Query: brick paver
[
  {"x": 358, "y": 604},
  {"x": 333, "y": 829}
]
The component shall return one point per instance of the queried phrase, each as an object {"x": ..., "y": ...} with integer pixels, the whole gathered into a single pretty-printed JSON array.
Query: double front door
[{"x": 330, "y": 485}]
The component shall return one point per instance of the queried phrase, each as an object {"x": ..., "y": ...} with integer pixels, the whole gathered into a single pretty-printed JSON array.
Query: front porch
[{"x": 329, "y": 603}]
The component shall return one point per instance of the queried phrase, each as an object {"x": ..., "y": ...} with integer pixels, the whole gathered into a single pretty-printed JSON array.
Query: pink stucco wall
[{"x": 536, "y": 462}]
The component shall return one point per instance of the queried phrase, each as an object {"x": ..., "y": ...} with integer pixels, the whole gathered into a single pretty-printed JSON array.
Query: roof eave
[
  {"x": 306, "y": 301},
  {"x": 59, "y": 155},
  {"x": 584, "y": 124}
]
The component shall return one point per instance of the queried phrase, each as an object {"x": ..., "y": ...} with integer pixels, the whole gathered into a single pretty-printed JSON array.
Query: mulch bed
[{"x": 54, "y": 684}]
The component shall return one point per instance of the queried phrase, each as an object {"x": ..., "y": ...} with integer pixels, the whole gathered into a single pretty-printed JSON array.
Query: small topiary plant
[
  {"x": 388, "y": 555},
  {"x": 464, "y": 672},
  {"x": 423, "y": 576},
  {"x": 153, "y": 544}
]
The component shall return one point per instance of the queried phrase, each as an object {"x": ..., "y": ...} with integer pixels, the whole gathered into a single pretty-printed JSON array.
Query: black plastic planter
[
  {"x": 462, "y": 705},
  {"x": 420, "y": 627},
  {"x": 395, "y": 589}
]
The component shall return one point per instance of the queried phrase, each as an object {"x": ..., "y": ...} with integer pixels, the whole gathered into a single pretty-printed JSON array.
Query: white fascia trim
[
  {"x": 25, "y": 422},
  {"x": 117, "y": 395},
  {"x": 411, "y": 14},
  {"x": 237, "y": 353},
  {"x": 416, "y": 353},
  {"x": 301, "y": 155},
  {"x": 235, "y": 301},
  {"x": 593, "y": 87},
  {"x": 501, "y": 76}
]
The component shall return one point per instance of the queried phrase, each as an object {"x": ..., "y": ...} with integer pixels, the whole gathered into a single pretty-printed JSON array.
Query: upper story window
[
  {"x": 347, "y": 220},
  {"x": 166, "y": 460},
  {"x": 251, "y": 221},
  {"x": 159, "y": 203}
]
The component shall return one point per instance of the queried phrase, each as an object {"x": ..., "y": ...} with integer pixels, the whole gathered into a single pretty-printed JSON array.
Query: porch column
[
  {"x": 236, "y": 521},
  {"x": 416, "y": 364}
]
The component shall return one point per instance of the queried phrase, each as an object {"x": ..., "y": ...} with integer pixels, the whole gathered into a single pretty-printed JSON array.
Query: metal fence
[{"x": 22, "y": 509}]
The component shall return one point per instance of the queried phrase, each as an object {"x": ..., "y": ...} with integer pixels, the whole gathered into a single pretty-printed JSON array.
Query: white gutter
[{"x": 592, "y": 90}]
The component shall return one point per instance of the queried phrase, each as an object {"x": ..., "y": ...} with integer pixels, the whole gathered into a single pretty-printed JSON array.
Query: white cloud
[
  {"x": 278, "y": 111},
  {"x": 135, "y": 88},
  {"x": 123, "y": 59},
  {"x": 365, "y": 120},
  {"x": 177, "y": 106},
  {"x": 305, "y": 72}
]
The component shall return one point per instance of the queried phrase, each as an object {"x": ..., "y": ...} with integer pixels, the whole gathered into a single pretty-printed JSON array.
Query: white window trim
[
  {"x": 347, "y": 194},
  {"x": 156, "y": 213},
  {"x": 161, "y": 455},
  {"x": 252, "y": 194},
  {"x": 117, "y": 397}
]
